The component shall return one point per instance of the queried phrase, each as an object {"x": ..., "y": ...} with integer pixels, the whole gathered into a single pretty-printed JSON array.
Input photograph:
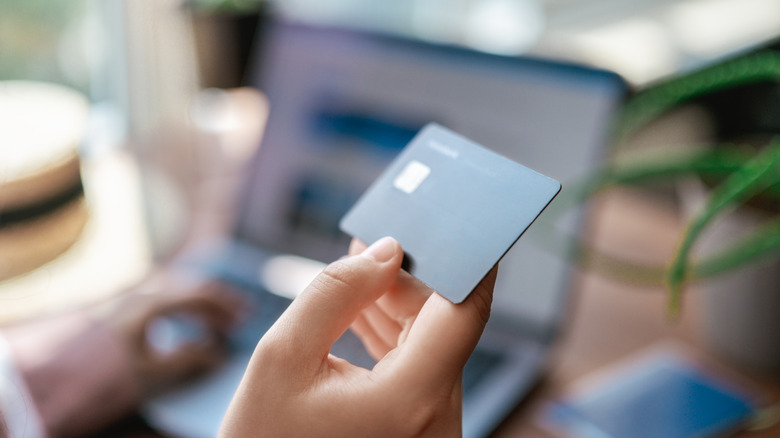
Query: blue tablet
[{"x": 664, "y": 397}]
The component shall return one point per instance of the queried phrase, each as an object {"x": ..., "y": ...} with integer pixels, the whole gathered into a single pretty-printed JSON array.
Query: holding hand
[{"x": 294, "y": 387}]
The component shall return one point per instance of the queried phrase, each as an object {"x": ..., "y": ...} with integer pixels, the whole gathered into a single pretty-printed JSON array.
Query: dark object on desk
[{"x": 225, "y": 34}]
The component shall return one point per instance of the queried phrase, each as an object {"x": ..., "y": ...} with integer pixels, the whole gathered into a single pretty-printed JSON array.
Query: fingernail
[{"x": 382, "y": 250}]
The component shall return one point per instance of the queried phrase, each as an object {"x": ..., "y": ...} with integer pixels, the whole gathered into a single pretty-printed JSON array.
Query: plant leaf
[
  {"x": 758, "y": 173},
  {"x": 764, "y": 242},
  {"x": 648, "y": 105},
  {"x": 723, "y": 160}
]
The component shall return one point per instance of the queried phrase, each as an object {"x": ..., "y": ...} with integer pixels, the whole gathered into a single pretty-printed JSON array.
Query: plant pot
[{"x": 739, "y": 311}]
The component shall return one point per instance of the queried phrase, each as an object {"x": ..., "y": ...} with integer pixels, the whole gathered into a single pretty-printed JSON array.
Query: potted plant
[{"x": 741, "y": 296}]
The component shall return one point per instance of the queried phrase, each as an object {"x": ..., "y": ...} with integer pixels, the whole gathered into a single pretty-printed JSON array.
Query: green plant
[{"x": 742, "y": 173}]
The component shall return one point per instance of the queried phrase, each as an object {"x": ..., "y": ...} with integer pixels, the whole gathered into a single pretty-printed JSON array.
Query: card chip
[{"x": 412, "y": 176}]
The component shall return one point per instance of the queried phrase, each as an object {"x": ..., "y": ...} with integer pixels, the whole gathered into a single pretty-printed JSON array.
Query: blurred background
[
  {"x": 172, "y": 118},
  {"x": 144, "y": 65}
]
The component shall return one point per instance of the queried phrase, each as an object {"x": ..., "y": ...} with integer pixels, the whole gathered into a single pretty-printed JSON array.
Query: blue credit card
[{"x": 455, "y": 207}]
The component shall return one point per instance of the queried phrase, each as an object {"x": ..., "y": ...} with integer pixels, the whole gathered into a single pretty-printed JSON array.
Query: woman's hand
[{"x": 294, "y": 387}]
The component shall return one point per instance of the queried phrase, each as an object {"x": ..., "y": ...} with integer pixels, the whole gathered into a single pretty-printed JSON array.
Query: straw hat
[{"x": 42, "y": 206}]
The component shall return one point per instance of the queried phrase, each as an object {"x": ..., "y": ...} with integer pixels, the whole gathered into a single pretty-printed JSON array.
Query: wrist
[{"x": 75, "y": 367}]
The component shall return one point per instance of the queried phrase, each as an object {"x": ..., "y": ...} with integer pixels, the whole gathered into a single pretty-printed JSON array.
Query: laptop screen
[{"x": 344, "y": 103}]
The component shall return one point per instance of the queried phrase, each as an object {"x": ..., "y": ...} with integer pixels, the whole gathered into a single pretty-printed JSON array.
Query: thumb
[
  {"x": 329, "y": 305},
  {"x": 445, "y": 334}
]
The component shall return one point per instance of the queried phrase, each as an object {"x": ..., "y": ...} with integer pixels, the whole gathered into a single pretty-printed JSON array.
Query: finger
[
  {"x": 405, "y": 299},
  {"x": 407, "y": 296},
  {"x": 374, "y": 344},
  {"x": 356, "y": 246},
  {"x": 329, "y": 305},
  {"x": 445, "y": 334},
  {"x": 385, "y": 327}
]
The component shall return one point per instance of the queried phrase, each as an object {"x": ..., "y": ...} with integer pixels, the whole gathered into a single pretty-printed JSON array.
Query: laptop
[{"x": 343, "y": 103}]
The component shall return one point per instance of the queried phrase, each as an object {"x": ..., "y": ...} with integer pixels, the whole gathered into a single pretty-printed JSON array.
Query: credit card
[{"x": 454, "y": 206}]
